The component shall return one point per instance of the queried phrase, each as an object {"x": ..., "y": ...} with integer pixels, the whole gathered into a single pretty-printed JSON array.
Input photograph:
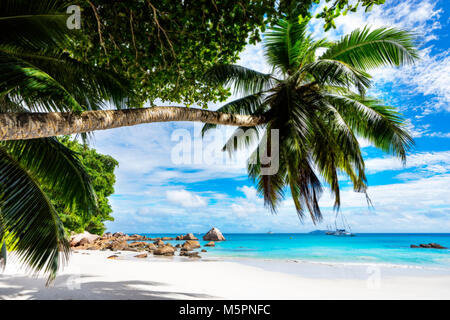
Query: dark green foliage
[
  {"x": 100, "y": 169},
  {"x": 339, "y": 7},
  {"x": 165, "y": 46}
]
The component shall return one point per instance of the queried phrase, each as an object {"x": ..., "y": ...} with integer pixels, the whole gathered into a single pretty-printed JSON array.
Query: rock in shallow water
[
  {"x": 164, "y": 251},
  {"x": 189, "y": 236},
  {"x": 214, "y": 235},
  {"x": 429, "y": 246},
  {"x": 210, "y": 244},
  {"x": 192, "y": 244}
]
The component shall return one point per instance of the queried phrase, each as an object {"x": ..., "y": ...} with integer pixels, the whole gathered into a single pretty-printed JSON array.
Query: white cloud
[
  {"x": 428, "y": 161},
  {"x": 431, "y": 75},
  {"x": 185, "y": 198},
  {"x": 250, "y": 192},
  {"x": 247, "y": 205},
  {"x": 253, "y": 57},
  {"x": 420, "y": 16},
  {"x": 421, "y": 194},
  {"x": 439, "y": 134}
]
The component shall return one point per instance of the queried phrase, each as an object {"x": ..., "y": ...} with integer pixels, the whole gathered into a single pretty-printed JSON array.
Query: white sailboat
[{"x": 343, "y": 232}]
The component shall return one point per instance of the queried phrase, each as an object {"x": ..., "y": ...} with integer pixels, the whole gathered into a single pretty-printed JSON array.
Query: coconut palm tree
[
  {"x": 37, "y": 75},
  {"x": 316, "y": 99}
]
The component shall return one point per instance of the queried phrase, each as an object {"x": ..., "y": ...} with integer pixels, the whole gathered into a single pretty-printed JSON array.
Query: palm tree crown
[{"x": 319, "y": 105}]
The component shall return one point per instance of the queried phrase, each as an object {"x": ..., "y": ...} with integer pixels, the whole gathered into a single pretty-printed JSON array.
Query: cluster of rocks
[
  {"x": 189, "y": 236},
  {"x": 429, "y": 246},
  {"x": 122, "y": 242}
]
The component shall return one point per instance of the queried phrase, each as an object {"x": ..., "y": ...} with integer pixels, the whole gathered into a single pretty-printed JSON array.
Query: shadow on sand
[{"x": 72, "y": 287}]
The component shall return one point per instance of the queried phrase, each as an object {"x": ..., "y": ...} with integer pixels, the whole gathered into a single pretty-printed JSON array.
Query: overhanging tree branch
[{"x": 15, "y": 126}]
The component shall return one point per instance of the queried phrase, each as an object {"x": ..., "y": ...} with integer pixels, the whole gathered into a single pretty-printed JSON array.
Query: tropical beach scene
[{"x": 224, "y": 150}]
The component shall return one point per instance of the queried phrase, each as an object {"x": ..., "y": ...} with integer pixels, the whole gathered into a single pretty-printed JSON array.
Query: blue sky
[{"x": 154, "y": 192}]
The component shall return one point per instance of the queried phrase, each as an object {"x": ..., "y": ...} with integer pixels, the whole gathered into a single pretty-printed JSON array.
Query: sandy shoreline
[{"x": 89, "y": 275}]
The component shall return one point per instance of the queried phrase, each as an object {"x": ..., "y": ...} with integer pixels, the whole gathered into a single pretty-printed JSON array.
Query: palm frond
[
  {"x": 366, "y": 49},
  {"x": 32, "y": 223},
  {"x": 33, "y": 24},
  {"x": 241, "y": 79},
  {"x": 382, "y": 125},
  {"x": 91, "y": 87},
  {"x": 241, "y": 139},
  {"x": 58, "y": 168},
  {"x": 337, "y": 73},
  {"x": 285, "y": 44},
  {"x": 306, "y": 188},
  {"x": 51, "y": 81},
  {"x": 36, "y": 87}
]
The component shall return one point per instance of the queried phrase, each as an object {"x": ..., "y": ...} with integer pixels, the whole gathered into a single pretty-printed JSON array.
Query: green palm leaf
[
  {"x": 382, "y": 125},
  {"x": 285, "y": 44},
  {"x": 36, "y": 87},
  {"x": 367, "y": 49},
  {"x": 243, "y": 80},
  {"x": 33, "y": 226},
  {"x": 33, "y": 24},
  {"x": 90, "y": 87},
  {"x": 337, "y": 73},
  {"x": 58, "y": 168}
]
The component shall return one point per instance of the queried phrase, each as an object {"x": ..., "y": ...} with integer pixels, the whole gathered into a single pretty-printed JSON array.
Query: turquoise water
[{"x": 364, "y": 248}]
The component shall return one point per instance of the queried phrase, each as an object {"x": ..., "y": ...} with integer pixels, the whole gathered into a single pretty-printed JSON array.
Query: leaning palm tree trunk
[{"x": 15, "y": 126}]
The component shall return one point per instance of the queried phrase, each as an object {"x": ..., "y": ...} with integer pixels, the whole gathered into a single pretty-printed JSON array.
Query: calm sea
[{"x": 386, "y": 248}]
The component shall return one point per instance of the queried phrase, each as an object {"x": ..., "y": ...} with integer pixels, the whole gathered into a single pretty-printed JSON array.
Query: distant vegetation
[{"x": 100, "y": 169}]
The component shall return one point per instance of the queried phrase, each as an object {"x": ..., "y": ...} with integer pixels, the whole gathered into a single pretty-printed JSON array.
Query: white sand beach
[{"x": 89, "y": 275}]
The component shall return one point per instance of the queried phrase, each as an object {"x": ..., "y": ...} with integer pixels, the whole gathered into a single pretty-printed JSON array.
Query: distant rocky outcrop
[
  {"x": 318, "y": 232},
  {"x": 107, "y": 235},
  {"x": 188, "y": 236},
  {"x": 214, "y": 235},
  {"x": 119, "y": 234},
  {"x": 82, "y": 239},
  {"x": 429, "y": 246}
]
